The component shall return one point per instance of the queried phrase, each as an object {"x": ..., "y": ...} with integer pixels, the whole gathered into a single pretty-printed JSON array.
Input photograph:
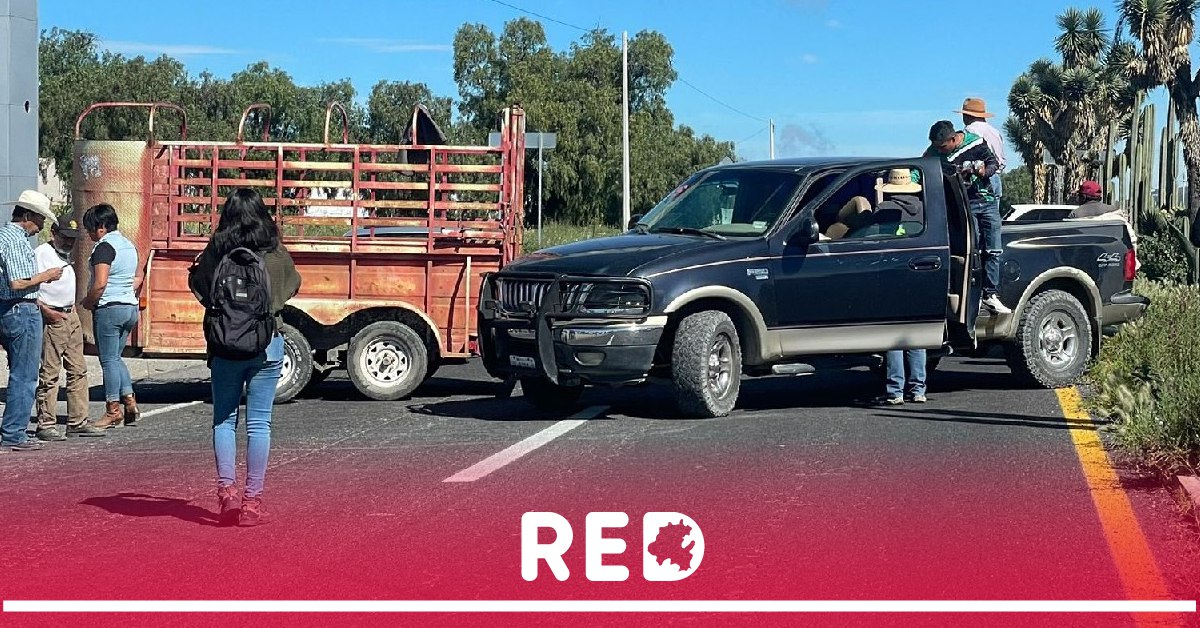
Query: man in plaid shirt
[{"x": 20, "y": 317}]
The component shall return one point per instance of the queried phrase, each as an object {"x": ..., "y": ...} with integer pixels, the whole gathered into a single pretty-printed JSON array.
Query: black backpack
[{"x": 238, "y": 324}]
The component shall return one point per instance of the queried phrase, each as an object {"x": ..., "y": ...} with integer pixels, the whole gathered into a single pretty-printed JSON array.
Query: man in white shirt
[
  {"x": 975, "y": 114},
  {"x": 62, "y": 339}
]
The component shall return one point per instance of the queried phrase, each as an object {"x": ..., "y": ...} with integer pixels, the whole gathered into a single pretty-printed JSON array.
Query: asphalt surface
[{"x": 806, "y": 492}]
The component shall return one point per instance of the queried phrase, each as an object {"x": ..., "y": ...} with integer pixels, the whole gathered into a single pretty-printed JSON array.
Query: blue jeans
[
  {"x": 21, "y": 335},
  {"x": 256, "y": 377},
  {"x": 112, "y": 325},
  {"x": 987, "y": 224},
  {"x": 997, "y": 185},
  {"x": 914, "y": 360}
]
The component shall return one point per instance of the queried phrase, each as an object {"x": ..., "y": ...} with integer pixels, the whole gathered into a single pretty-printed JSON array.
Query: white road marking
[
  {"x": 512, "y": 453},
  {"x": 170, "y": 408}
]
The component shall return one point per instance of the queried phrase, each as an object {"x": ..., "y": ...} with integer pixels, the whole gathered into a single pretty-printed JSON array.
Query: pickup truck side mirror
[
  {"x": 806, "y": 232},
  {"x": 633, "y": 221}
]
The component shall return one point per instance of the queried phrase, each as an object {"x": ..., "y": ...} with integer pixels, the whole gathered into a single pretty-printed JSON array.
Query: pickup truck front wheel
[
  {"x": 706, "y": 365},
  {"x": 1053, "y": 342}
]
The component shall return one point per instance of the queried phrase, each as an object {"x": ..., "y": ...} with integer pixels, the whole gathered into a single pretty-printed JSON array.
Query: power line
[
  {"x": 544, "y": 17},
  {"x": 681, "y": 79},
  {"x": 751, "y": 136},
  {"x": 719, "y": 102}
]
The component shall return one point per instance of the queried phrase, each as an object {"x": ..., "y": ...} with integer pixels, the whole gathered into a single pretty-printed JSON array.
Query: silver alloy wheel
[
  {"x": 720, "y": 371},
  {"x": 1058, "y": 341},
  {"x": 384, "y": 361}
]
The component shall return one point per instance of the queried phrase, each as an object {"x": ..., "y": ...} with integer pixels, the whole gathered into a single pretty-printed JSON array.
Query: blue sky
[{"x": 852, "y": 77}]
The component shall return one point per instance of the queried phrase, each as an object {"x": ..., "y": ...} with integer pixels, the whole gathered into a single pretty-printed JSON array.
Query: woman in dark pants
[
  {"x": 113, "y": 300},
  {"x": 245, "y": 223}
]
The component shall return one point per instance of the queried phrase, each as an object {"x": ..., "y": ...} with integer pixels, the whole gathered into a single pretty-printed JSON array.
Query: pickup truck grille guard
[{"x": 557, "y": 290}]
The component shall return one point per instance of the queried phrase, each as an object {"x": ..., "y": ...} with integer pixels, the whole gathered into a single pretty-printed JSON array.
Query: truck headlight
[{"x": 607, "y": 298}]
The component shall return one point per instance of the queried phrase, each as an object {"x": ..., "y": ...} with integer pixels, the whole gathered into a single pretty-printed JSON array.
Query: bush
[
  {"x": 1148, "y": 381},
  {"x": 1162, "y": 258}
]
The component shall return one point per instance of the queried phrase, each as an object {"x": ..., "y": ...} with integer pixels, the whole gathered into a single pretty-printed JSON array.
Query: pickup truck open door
[{"x": 965, "y": 291}]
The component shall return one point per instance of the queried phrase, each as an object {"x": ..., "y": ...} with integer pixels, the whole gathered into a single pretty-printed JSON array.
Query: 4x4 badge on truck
[{"x": 758, "y": 273}]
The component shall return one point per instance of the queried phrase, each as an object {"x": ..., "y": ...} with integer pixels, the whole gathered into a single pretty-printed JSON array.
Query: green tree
[
  {"x": 1018, "y": 186},
  {"x": 1060, "y": 107},
  {"x": 1166, "y": 29},
  {"x": 390, "y": 108},
  {"x": 577, "y": 94}
]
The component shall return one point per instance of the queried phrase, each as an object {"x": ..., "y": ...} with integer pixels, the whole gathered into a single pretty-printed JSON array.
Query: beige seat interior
[{"x": 854, "y": 214}]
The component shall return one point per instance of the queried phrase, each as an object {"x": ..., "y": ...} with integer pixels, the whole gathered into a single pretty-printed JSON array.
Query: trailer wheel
[
  {"x": 1053, "y": 342},
  {"x": 706, "y": 365},
  {"x": 546, "y": 395},
  {"x": 387, "y": 360},
  {"x": 297, "y": 369}
]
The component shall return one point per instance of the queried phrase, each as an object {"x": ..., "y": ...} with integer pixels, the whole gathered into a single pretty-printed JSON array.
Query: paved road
[{"x": 804, "y": 493}]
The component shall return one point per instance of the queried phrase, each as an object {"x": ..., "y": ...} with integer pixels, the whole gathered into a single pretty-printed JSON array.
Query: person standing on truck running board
[
  {"x": 975, "y": 163},
  {"x": 112, "y": 298},
  {"x": 245, "y": 225},
  {"x": 974, "y": 115},
  {"x": 62, "y": 339},
  {"x": 20, "y": 322}
]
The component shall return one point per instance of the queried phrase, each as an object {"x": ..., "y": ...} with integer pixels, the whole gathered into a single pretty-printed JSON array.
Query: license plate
[{"x": 522, "y": 361}]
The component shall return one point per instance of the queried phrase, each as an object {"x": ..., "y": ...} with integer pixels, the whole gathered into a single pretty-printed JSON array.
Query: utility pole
[
  {"x": 771, "y": 128},
  {"x": 625, "y": 129}
]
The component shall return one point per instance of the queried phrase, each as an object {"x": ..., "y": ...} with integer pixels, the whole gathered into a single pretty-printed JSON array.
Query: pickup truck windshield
[{"x": 728, "y": 202}]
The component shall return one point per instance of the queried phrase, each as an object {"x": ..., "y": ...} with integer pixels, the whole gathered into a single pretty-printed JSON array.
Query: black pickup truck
[{"x": 782, "y": 267}]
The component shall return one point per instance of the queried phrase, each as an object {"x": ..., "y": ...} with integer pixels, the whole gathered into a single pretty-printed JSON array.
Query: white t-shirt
[
  {"x": 991, "y": 135},
  {"x": 59, "y": 293}
]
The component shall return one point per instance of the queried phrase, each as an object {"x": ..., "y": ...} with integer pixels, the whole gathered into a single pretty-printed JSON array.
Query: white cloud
[
  {"x": 387, "y": 45},
  {"x": 809, "y": 58},
  {"x": 174, "y": 50},
  {"x": 833, "y": 24}
]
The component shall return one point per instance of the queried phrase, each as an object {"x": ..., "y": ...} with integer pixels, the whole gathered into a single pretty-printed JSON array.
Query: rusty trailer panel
[{"x": 373, "y": 234}]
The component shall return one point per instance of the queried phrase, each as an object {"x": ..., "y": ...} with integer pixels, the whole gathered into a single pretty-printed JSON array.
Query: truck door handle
[{"x": 931, "y": 262}]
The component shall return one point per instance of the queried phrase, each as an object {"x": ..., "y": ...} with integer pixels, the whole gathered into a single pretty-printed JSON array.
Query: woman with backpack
[
  {"x": 112, "y": 298},
  {"x": 243, "y": 278}
]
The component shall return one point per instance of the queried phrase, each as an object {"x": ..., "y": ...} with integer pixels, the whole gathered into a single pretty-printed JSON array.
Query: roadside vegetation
[
  {"x": 1148, "y": 381},
  {"x": 554, "y": 234},
  {"x": 1091, "y": 109}
]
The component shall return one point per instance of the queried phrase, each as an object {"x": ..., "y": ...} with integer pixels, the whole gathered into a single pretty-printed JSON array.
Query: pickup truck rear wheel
[
  {"x": 546, "y": 395},
  {"x": 1053, "y": 342},
  {"x": 387, "y": 360},
  {"x": 297, "y": 368},
  {"x": 706, "y": 365}
]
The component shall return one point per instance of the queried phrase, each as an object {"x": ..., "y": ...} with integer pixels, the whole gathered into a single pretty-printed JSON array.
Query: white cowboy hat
[
  {"x": 899, "y": 181},
  {"x": 35, "y": 202}
]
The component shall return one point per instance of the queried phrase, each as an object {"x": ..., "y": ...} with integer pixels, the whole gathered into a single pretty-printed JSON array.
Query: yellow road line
[{"x": 1130, "y": 551}]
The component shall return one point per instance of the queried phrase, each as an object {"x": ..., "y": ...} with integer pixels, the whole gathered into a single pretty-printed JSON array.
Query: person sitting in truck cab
[{"x": 902, "y": 212}]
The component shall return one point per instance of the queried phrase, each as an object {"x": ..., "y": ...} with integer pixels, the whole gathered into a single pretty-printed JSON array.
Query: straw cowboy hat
[
  {"x": 899, "y": 181},
  {"x": 35, "y": 202},
  {"x": 975, "y": 107}
]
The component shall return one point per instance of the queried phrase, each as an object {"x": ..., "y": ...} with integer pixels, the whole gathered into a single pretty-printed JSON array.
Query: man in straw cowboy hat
[
  {"x": 20, "y": 318},
  {"x": 901, "y": 205},
  {"x": 903, "y": 213},
  {"x": 62, "y": 339},
  {"x": 974, "y": 115}
]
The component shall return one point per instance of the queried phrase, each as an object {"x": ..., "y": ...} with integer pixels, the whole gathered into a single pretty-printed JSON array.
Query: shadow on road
[
  {"x": 989, "y": 418},
  {"x": 141, "y": 505}
]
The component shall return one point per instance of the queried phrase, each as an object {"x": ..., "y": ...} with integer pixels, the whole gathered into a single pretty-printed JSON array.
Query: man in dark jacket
[{"x": 975, "y": 163}]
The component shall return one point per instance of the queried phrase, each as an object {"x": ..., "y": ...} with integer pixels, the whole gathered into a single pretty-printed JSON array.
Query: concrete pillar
[{"x": 18, "y": 100}]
